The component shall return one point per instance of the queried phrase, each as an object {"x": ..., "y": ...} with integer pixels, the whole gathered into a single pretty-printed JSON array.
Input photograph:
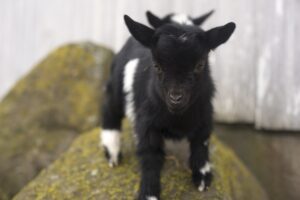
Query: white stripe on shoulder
[
  {"x": 182, "y": 19},
  {"x": 128, "y": 81}
]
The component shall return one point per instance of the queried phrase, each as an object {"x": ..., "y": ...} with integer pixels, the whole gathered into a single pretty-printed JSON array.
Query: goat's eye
[
  {"x": 158, "y": 68},
  {"x": 199, "y": 68}
]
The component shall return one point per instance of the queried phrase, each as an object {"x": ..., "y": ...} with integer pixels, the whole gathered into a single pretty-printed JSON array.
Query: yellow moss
[
  {"x": 60, "y": 98},
  {"x": 41, "y": 115},
  {"x": 83, "y": 173}
]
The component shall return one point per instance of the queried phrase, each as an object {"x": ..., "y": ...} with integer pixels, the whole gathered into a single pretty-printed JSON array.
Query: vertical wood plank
[
  {"x": 234, "y": 64},
  {"x": 278, "y": 91}
]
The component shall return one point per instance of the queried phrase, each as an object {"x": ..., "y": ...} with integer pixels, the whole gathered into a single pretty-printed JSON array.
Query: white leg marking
[
  {"x": 129, "y": 74},
  {"x": 201, "y": 186},
  {"x": 206, "y": 168},
  {"x": 151, "y": 198},
  {"x": 111, "y": 140},
  {"x": 182, "y": 19}
]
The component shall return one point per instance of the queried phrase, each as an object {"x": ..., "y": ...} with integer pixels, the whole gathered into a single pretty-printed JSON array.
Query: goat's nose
[{"x": 175, "y": 97}]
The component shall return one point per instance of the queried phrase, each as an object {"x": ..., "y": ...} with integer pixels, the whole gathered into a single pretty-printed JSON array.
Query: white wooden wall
[{"x": 256, "y": 72}]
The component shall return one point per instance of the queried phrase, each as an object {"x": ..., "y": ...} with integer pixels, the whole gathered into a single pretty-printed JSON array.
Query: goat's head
[
  {"x": 156, "y": 21},
  {"x": 180, "y": 58}
]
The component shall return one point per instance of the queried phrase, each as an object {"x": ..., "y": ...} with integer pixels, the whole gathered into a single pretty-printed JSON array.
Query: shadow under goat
[{"x": 161, "y": 81}]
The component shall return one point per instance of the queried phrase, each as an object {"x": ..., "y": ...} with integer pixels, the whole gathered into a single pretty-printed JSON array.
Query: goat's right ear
[
  {"x": 154, "y": 20},
  {"x": 219, "y": 35},
  {"x": 140, "y": 32}
]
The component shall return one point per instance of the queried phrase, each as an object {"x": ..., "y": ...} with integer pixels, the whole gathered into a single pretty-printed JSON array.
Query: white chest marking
[
  {"x": 181, "y": 19},
  {"x": 128, "y": 81}
]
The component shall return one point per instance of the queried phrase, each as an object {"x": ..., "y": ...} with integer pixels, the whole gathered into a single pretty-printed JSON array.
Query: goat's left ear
[
  {"x": 199, "y": 20},
  {"x": 219, "y": 35},
  {"x": 140, "y": 32}
]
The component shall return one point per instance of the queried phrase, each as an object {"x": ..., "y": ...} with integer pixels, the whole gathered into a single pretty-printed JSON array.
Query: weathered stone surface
[
  {"x": 83, "y": 173},
  {"x": 58, "y": 100},
  {"x": 42, "y": 114}
]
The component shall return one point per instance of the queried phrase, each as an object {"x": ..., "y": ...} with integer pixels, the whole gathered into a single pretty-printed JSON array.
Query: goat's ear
[
  {"x": 199, "y": 20},
  {"x": 140, "y": 32},
  {"x": 153, "y": 20},
  {"x": 219, "y": 35}
]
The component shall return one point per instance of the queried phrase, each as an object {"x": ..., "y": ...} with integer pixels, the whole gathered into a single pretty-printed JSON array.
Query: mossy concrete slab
[
  {"x": 46, "y": 109},
  {"x": 83, "y": 173}
]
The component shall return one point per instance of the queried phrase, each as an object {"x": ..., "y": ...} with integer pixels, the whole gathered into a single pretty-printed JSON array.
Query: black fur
[
  {"x": 173, "y": 92},
  {"x": 156, "y": 22}
]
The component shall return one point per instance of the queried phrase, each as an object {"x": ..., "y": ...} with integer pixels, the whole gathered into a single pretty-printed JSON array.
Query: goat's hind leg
[{"x": 111, "y": 129}]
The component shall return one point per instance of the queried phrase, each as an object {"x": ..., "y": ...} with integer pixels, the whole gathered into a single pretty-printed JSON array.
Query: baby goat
[{"x": 161, "y": 81}]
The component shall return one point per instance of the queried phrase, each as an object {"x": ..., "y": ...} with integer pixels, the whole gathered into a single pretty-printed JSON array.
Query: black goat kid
[{"x": 161, "y": 80}]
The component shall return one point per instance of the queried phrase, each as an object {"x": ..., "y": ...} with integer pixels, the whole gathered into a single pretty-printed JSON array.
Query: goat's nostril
[{"x": 176, "y": 97}]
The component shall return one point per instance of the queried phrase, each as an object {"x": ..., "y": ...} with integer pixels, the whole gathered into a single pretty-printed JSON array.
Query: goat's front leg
[
  {"x": 151, "y": 156},
  {"x": 199, "y": 159}
]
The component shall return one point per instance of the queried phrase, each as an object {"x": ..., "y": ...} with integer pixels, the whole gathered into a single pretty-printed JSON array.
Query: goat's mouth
[{"x": 176, "y": 109}]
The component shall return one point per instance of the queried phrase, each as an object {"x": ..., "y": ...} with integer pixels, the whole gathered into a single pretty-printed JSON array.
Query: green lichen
[
  {"x": 83, "y": 173},
  {"x": 47, "y": 108}
]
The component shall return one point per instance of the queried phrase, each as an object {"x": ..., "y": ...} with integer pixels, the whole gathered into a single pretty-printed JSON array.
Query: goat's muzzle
[{"x": 176, "y": 101}]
